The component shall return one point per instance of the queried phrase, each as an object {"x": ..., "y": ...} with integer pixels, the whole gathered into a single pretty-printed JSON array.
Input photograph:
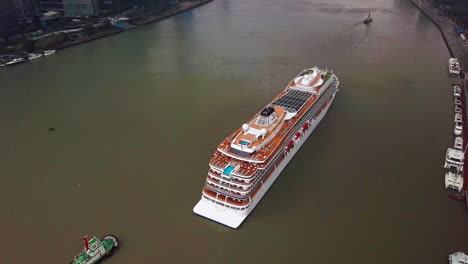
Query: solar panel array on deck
[{"x": 293, "y": 100}]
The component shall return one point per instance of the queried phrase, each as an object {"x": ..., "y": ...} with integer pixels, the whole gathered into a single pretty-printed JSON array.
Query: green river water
[{"x": 139, "y": 114}]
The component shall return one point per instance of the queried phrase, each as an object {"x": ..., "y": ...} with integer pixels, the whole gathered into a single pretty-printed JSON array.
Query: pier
[{"x": 457, "y": 49}]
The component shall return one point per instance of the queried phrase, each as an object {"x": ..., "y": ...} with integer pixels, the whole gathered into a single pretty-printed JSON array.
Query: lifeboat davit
[{"x": 298, "y": 135}]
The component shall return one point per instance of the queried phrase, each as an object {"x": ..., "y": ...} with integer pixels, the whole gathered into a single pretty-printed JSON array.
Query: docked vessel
[
  {"x": 453, "y": 180},
  {"x": 33, "y": 56},
  {"x": 458, "y": 128},
  {"x": 454, "y": 159},
  {"x": 454, "y": 66},
  {"x": 458, "y": 258},
  {"x": 248, "y": 161},
  {"x": 95, "y": 250},
  {"x": 456, "y": 90},
  {"x": 15, "y": 61},
  {"x": 48, "y": 52},
  {"x": 458, "y": 143}
]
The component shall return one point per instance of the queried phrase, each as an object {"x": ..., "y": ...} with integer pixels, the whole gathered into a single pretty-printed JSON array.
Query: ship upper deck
[{"x": 256, "y": 140}]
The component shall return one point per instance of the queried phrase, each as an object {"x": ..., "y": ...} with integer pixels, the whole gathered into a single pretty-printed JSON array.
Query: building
[
  {"x": 76, "y": 8},
  {"x": 50, "y": 5},
  {"x": 25, "y": 9},
  {"x": 8, "y": 19},
  {"x": 49, "y": 18}
]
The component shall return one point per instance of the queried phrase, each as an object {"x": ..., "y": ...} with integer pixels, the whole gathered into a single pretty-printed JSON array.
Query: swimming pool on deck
[{"x": 228, "y": 170}]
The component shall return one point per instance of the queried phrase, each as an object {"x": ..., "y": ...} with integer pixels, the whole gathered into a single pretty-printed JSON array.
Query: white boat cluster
[
  {"x": 454, "y": 158},
  {"x": 31, "y": 56}
]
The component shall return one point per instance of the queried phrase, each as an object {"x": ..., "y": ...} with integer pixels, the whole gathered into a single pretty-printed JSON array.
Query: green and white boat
[{"x": 95, "y": 249}]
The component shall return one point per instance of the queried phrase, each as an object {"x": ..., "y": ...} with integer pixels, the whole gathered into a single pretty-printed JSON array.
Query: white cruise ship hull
[{"x": 233, "y": 218}]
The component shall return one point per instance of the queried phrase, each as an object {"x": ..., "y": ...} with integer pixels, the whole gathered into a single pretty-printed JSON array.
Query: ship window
[{"x": 240, "y": 153}]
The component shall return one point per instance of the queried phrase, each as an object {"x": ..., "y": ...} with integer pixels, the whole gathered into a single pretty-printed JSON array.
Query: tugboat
[
  {"x": 368, "y": 19},
  {"x": 95, "y": 250}
]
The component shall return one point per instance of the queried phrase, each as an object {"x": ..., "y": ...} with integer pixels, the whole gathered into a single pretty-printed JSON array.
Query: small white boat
[
  {"x": 454, "y": 66},
  {"x": 458, "y": 117},
  {"x": 457, "y": 101},
  {"x": 458, "y": 258},
  {"x": 48, "y": 52},
  {"x": 456, "y": 91},
  {"x": 15, "y": 61},
  {"x": 33, "y": 56},
  {"x": 454, "y": 159},
  {"x": 458, "y": 109},
  {"x": 458, "y": 128},
  {"x": 458, "y": 143},
  {"x": 453, "y": 180}
]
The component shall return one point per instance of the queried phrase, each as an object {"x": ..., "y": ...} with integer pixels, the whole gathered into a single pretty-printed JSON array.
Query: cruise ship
[{"x": 248, "y": 161}]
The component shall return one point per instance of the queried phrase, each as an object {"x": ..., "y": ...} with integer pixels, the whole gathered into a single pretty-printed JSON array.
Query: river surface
[{"x": 138, "y": 115}]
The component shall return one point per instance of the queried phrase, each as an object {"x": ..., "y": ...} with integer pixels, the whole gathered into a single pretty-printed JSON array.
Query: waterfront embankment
[
  {"x": 457, "y": 49},
  {"x": 182, "y": 7},
  {"x": 455, "y": 44},
  {"x": 81, "y": 37},
  {"x": 96, "y": 36},
  {"x": 173, "y": 11}
]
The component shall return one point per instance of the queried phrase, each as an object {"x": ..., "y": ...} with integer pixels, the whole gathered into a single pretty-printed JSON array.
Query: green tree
[
  {"x": 28, "y": 45},
  {"x": 88, "y": 30}
]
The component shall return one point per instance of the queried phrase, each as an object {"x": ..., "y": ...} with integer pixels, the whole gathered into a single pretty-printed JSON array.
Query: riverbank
[
  {"x": 180, "y": 8},
  {"x": 174, "y": 11},
  {"x": 454, "y": 43},
  {"x": 96, "y": 36},
  {"x": 457, "y": 49}
]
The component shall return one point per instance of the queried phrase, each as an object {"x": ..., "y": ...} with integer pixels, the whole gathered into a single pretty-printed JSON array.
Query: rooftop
[{"x": 51, "y": 13}]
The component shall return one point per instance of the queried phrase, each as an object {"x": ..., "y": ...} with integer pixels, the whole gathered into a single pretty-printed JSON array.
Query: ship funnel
[{"x": 86, "y": 243}]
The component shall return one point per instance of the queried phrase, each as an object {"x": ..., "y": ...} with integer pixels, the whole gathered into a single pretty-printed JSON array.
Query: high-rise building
[
  {"x": 25, "y": 9},
  {"x": 8, "y": 19},
  {"x": 75, "y": 8}
]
